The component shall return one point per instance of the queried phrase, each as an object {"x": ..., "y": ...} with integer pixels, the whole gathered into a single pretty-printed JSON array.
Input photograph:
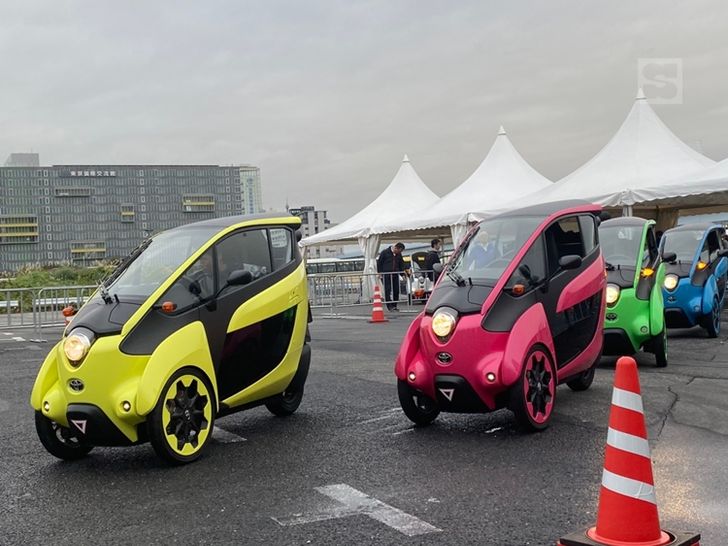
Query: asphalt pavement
[{"x": 349, "y": 468}]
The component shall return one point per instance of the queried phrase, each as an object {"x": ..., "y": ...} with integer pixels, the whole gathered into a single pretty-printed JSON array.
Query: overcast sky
[{"x": 326, "y": 97}]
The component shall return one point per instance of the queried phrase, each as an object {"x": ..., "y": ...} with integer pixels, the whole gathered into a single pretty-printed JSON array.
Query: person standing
[
  {"x": 432, "y": 258},
  {"x": 390, "y": 264}
]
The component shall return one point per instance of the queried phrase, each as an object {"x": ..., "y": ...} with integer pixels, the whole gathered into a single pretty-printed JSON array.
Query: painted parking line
[
  {"x": 4, "y": 406},
  {"x": 224, "y": 437},
  {"x": 356, "y": 503}
]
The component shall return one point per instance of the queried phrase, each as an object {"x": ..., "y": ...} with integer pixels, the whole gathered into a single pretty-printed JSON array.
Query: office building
[{"x": 314, "y": 221}]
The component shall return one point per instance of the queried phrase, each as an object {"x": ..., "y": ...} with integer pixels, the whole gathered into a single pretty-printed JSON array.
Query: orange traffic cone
[
  {"x": 377, "y": 310},
  {"x": 627, "y": 514}
]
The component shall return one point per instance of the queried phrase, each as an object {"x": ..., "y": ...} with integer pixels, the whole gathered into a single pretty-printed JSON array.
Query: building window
[
  {"x": 84, "y": 252},
  {"x": 73, "y": 192},
  {"x": 127, "y": 213},
  {"x": 198, "y": 203},
  {"x": 18, "y": 229}
]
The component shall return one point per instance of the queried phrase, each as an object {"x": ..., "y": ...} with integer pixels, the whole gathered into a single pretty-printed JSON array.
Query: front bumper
[
  {"x": 626, "y": 324},
  {"x": 92, "y": 398},
  {"x": 683, "y": 306}
]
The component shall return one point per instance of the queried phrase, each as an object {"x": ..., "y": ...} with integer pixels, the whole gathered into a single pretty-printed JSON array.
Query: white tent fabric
[
  {"x": 502, "y": 176},
  {"x": 405, "y": 191},
  {"x": 369, "y": 247},
  {"x": 643, "y": 154}
]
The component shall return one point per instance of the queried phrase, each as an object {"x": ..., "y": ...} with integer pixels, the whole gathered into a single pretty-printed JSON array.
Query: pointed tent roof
[
  {"x": 643, "y": 153},
  {"x": 502, "y": 176},
  {"x": 406, "y": 188}
]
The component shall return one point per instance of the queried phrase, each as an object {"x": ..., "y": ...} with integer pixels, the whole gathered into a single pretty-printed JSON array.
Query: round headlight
[
  {"x": 671, "y": 281},
  {"x": 443, "y": 323},
  {"x": 76, "y": 346},
  {"x": 612, "y": 293}
]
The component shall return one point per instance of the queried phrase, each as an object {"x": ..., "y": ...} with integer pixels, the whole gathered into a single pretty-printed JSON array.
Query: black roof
[
  {"x": 700, "y": 226},
  {"x": 625, "y": 221},
  {"x": 227, "y": 221},
  {"x": 547, "y": 209}
]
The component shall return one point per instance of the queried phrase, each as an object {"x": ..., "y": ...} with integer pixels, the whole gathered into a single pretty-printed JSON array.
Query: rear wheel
[
  {"x": 532, "y": 397},
  {"x": 58, "y": 440},
  {"x": 418, "y": 407},
  {"x": 180, "y": 425},
  {"x": 659, "y": 347},
  {"x": 582, "y": 381},
  {"x": 286, "y": 403},
  {"x": 712, "y": 321}
]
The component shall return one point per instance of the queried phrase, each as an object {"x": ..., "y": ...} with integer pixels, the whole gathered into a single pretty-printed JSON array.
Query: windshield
[
  {"x": 159, "y": 258},
  {"x": 684, "y": 243},
  {"x": 486, "y": 254},
  {"x": 620, "y": 245}
]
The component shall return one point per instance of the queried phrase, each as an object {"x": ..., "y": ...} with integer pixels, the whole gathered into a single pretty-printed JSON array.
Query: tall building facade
[
  {"x": 314, "y": 221},
  {"x": 84, "y": 213},
  {"x": 252, "y": 194}
]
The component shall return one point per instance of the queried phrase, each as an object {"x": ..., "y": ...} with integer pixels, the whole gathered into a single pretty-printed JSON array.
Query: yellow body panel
[
  {"x": 110, "y": 377},
  {"x": 187, "y": 346}
]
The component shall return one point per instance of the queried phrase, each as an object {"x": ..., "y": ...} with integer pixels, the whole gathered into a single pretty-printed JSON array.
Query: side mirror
[
  {"x": 438, "y": 268},
  {"x": 239, "y": 277},
  {"x": 570, "y": 261},
  {"x": 671, "y": 257},
  {"x": 525, "y": 272}
]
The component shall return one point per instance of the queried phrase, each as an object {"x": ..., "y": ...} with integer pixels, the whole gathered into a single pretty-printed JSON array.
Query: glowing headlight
[
  {"x": 76, "y": 346},
  {"x": 671, "y": 281},
  {"x": 443, "y": 323},
  {"x": 612, "y": 293}
]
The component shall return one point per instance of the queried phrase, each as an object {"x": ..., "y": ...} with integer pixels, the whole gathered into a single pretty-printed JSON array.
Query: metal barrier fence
[
  {"x": 352, "y": 289},
  {"x": 39, "y": 307}
]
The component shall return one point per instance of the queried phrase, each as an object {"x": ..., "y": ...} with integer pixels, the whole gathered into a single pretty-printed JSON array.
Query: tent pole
[{"x": 627, "y": 210}]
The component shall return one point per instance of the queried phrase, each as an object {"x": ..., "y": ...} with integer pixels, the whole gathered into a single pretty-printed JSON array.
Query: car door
[
  {"x": 573, "y": 297},
  {"x": 247, "y": 346},
  {"x": 718, "y": 264}
]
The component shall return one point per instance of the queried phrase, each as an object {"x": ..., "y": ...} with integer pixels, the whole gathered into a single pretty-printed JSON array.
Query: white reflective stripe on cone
[
  {"x": 378, "y": 309},
  {"x": 628, "y": 487},
  {"x": 628, "y": 442},
  {"x": 627, "y": 400}
]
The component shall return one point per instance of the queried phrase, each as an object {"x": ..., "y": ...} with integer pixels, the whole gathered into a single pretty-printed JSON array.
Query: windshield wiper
[{"x": 456, "y": 277}]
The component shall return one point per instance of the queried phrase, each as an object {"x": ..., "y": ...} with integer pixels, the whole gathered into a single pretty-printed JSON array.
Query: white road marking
[
  {"x": 224, "y": 437},
  {"x": 492, "y": 430},
  {"x": 18, "y": 339},
  {"x": 375, "y": 419},
  {"x": 8, "y": 334},
  {"x": 4, "y": 405},
  {"x": 405, "y": 431},
  {"x": 356, "y": 503}
]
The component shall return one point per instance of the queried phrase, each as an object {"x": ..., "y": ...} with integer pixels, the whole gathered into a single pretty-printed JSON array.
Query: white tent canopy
[
  {"x": 406, "y": 190},
  {"x": 502, "y": 176},
  {"x": 643, "y": 154}
]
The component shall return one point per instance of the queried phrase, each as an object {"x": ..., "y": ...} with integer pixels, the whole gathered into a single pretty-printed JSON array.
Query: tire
[
  {"x": 287, "y": 402},
  {"x": 583, "y": 381},
  {"x": 180, "y": 425},
  {"x": 659, "y": 347},
  {"x": 533, "y": 405},
  {"x": 58, "y": 440},
  {"x": 419, "y": 408},
  {"x": 712, "y": 321}
]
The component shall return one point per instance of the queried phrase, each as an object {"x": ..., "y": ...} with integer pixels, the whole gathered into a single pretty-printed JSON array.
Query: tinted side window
[
  {"x": 705, "y": 252},
  {"x": 589, "y": 232},
  {"x": 651, "y": 245},
  {"x": 563, "y": 238},
  {"x": 281, "y": 244},
  {"x": 713, "y": 245},
  {"x": 247, "y": 250},
  {"x": 195, "y": 285},
  {"x": 534, "y": 262}
]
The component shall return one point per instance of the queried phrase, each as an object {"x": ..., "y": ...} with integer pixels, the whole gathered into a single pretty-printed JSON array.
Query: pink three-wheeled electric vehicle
[{"x": 517, "y": 310}]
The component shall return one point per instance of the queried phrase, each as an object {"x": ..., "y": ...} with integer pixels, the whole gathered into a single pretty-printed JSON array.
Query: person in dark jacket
[
  {"x": 432, "y": 258},
  {"x": 389, "y": 265}
]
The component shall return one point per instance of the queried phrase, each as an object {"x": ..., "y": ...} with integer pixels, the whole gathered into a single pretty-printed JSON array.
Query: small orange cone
[
  {"x": 377, "y": 310},
  {"x": 627, "y": 514}
]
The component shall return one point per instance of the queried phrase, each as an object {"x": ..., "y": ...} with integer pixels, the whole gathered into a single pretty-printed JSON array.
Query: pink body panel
[{"x": 531, "y": 328}]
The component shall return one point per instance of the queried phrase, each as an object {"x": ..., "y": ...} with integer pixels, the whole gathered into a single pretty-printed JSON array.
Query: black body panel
[
  {"x": 465, "y": 300},
  {"x": 617, "y": 343},
  {"x": 676, "y": 318},
  {"x": 98, "y": 429},
  {"x": 462, "y": 399},
  {"x": 104, "y": 319},
  {"x": 507, "y": 308},
  {"x": 621, "y": 276}
]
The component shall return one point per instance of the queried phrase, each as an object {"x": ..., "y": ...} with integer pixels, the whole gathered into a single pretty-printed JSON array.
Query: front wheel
[
  {"x": 531, "y": 398},
  {"x": 659, "y": 347},
  {"x": 286, "y": 403},
  {"x": 419, "y": 408},
  {"x": 712, "y": 321},
  {"x": 180, "y": 425},
  {"x": 58, "y": 440}
]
